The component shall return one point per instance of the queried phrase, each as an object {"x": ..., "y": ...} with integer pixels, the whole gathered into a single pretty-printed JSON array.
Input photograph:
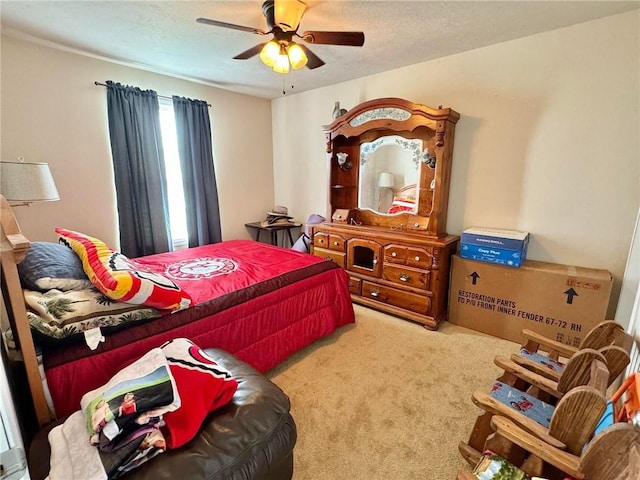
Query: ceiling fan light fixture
[
  {"x": 282, "y": 53},
  {"x": 282, "y": 62},
  {"x": 297, "y": 57},
  {"x": 270, "y": 53}
]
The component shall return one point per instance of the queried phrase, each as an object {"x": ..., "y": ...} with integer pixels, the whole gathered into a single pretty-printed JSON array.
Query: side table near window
[{"x": 273, "y": 230}]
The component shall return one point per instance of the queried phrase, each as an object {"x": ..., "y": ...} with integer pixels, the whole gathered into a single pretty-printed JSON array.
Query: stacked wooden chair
[
  {"x": 553, "y": 392},
  {"x": 613, "y": 454},
  {"x": 576, "y": 372},
  {"x": 568, "y": 424},
  {"x": 543, "y": 356}
]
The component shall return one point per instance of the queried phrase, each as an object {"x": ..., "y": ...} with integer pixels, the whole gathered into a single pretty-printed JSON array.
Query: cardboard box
[
  {"x": 501, "y": 256},
  {"x": 558, "y": 301},
  {"x": 493, "y": 245}
]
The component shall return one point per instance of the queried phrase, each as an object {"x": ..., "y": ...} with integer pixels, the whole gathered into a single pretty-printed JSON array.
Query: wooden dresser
[{"x": 391, "y": 155}]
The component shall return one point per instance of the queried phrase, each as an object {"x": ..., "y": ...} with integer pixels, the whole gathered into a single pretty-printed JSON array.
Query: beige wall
[
  {"x": 547, "y": 142},
  {"x": 52, "y": 112}
]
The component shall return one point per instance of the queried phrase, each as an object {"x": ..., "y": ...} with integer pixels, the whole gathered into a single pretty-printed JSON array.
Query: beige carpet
[{"x": 386, "y": 399}]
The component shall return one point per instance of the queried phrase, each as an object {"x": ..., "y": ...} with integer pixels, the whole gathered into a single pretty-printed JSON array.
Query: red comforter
[{"x": 261, "y": 303}]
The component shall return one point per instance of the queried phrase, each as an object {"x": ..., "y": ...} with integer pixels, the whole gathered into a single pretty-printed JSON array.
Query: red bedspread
[{"x": 261, "y": 303}]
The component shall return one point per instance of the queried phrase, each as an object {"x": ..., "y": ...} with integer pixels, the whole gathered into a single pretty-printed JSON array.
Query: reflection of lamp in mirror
[
  {"x": 22, "y": 183},
  {"x": 385, "y": 181},
  {"x": 343, "y": 160}
]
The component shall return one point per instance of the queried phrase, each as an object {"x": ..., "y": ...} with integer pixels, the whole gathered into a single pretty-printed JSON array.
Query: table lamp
[
  {"x": 22, "y": 183},
  {"x": 385, "y": 180}
]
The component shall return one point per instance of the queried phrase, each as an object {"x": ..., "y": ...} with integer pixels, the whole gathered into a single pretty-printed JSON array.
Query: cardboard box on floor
[{"x": 558, "y": 301}]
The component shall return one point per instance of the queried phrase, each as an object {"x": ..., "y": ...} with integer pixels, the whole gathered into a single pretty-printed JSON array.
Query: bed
[
  {"x": 259, "y": 302},
  {"x": 404, "y": 200}
]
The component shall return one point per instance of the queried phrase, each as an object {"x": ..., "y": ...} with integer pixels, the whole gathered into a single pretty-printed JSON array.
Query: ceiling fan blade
[
  {"x": 217, "y": 23},
  {"x": 288, "y": 14},
  {"x": 313, "y": 61},
  {"x": 250, "y": 53},
  {"x": 354, "y": 39}
]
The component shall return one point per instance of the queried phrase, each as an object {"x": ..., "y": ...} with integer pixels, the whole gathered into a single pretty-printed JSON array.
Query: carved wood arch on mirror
[{"x": 358, "y": 131}]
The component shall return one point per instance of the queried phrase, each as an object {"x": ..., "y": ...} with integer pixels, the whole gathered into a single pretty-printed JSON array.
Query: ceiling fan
[{"x": 283, "y": 20}]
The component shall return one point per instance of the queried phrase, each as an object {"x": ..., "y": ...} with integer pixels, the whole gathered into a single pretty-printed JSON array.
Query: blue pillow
[{"x": 52, "y": 265}]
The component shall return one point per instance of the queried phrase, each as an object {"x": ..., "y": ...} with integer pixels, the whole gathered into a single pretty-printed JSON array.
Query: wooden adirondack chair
[
  {"x": 546, "y": 357},
  {"x": 567, "y": 426},
  {"x": 613, "y": 454},
  {"x": 576, "y": 372}
]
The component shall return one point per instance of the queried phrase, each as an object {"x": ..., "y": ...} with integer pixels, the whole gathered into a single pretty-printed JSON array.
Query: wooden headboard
[
  {"x": 406, "y": 191},
  {"x": 14, "y": 246}
]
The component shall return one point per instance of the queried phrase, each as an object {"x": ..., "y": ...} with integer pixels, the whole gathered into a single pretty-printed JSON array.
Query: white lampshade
[
  {"x": 385, "y": 180},
  {"x": 27, "y": 182}
]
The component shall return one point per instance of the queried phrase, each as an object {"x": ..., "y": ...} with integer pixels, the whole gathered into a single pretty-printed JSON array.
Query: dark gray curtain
[
  {"x": 138, "y": 166},
  {"x": 198, "y": 175}
]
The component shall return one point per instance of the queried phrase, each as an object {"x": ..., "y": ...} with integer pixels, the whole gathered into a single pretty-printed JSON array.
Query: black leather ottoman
[{"x": 250, "y": 438}]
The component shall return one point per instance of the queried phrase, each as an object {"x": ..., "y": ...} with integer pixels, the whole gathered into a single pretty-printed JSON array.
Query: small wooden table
[{"x": 273, "y": 230}]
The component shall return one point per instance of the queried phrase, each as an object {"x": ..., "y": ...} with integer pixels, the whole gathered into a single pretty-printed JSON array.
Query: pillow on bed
[
  {"x": 49, "y": 265},
  {"x": 57, "y": 315},
  {"x": 121, "y": 278}
]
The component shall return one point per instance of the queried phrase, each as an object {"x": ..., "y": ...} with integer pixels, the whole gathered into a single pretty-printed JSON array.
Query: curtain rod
[{"x": 159, "y": 96}]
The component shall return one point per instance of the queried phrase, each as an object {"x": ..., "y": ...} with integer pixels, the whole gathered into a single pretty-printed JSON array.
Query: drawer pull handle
[
  {"x": 375, "y": 293},
  {"x": 394, "y": 254},
  {"x": 417, "y": 259},
  {"x": 335, "y": 243},
  {"x": 404, "y": 277},
  {"x": 416, "y": 224},
  {"x": 328, "y": 258},
  {"x": 375, "y": 260}
]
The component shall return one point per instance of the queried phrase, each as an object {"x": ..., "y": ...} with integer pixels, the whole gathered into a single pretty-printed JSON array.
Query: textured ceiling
[{"x": 163, "y": 36}]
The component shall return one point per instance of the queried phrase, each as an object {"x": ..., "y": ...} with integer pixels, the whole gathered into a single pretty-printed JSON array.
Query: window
[{"x": 175, "y": 194}]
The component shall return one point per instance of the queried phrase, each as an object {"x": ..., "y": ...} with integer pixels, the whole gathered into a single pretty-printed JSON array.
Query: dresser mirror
[
  {"x": 389, "y": 168},
  {"x": 389, "y": 164},
  {"x": 389, "y": 174}
]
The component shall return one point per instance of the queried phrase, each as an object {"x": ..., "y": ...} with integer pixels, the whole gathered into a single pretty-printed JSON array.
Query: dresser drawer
[
  {"x": 336, "y": 242},
  {"x": 355, "y": 285},
  {"x": 336, "y": 257},
  {"x": 406, "y": 276},
  {"x": 321, "y": 239},
  {"x": 415, "y": 222},
  {"x": 409, "y": 301},
  {"x": 395, "y": 254},
  {"x": 329, "y": 240},
  {"x": 419, "y": 258}
]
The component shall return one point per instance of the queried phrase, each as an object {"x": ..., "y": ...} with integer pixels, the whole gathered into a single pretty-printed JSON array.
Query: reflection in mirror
[{"x": 389, "y": 174}]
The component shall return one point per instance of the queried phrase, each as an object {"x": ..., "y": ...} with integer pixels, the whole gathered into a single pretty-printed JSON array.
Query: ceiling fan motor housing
[{"x": 268, "y": 10}]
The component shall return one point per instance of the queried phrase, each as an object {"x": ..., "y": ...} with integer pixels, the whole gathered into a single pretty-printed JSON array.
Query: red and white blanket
[{"x": 157, "y": 402}]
